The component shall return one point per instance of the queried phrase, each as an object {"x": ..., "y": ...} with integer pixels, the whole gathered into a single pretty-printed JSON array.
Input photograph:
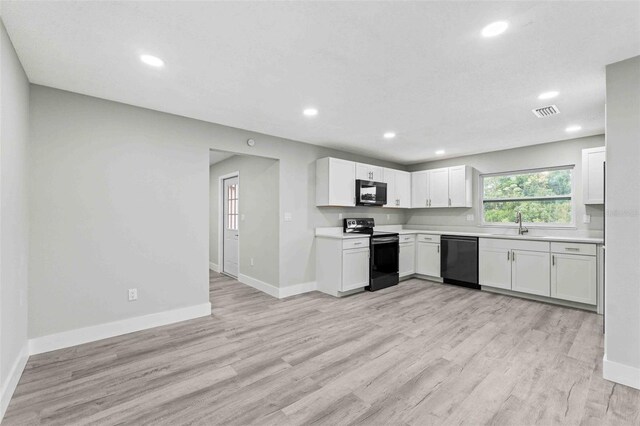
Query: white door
[
  {"x": 428, "y": 259},
  {"x": 403, "y": 188},
  {"x": 390, "y": 180},
  {"x": 407, "y": 261},
  {"x": 230, "y": 253},
  {"x": 457, "y": 186},
  {"x": 439, "y": 188},
  {"x": 495, "y": 267},
  {"x": 420, "y": 189},
  {"x": 573, "y": 277},
  {"x": 355, "y": 269},
  {"x": 531, "y": 272},
  {"x": 342, "y": 183}
]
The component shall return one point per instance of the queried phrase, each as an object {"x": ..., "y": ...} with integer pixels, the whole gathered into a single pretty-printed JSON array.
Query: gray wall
[
  {"x": 14, "y": 128},
  {"x": 259, "y": 211},
  {"x": 120, "y": 199},
  {"x": 622, "y": 297},
  {"x": 537, "y": 156}
]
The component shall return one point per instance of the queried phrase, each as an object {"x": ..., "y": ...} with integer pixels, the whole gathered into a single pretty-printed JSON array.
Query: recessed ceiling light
[
  {"x": 440, "y": 152},
  {"x": 389, "y": 135},
  {"x": 310, "y": 112},
  {"x": 573, "y": 128},
  {"x": 495, "y": 29},
  {"x": 548, "y": 95},
  {"x": 151, "y": 60}
]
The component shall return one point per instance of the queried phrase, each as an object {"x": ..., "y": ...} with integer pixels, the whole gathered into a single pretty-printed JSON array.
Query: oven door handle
[{"x": 377, "y": 241}]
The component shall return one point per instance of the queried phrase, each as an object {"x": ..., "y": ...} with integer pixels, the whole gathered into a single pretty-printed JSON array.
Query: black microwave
[{"x": 369, "y": 193}]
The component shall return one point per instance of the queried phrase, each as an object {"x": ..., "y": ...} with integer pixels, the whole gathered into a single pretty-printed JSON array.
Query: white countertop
[{"x": 336, "y": 232}]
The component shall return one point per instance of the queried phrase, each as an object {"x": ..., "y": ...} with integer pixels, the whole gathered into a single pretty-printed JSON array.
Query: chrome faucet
[{"x": 521, "y": 229}]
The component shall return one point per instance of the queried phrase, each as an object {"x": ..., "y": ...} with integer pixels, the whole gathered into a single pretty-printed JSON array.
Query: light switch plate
[
  {"x": 470, "y": 218},
  {"x": 288, "y": 217},
  {"x": 586, "y": 218}
]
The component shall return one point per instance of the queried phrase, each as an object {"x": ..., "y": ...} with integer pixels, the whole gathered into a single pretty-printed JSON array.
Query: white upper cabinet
[
  {"x": 445, "y": 187},
  {"x": 460, "y": 186},
  {"x": 403, "y": 189},
  {"x": 593, "y": 175},
  {"x": 439, "y": 188},
  {"x": 398, "y": 188},
  {"x": 335, "y": 182},
  {"x": 369, "y": 172},
  {"x": 420, "y": 189}
]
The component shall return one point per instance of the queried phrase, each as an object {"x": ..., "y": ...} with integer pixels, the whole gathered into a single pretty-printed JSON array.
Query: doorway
[{"x": 230, "y": 225}]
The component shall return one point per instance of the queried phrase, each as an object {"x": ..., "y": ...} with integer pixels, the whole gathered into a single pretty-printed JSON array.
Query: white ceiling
[{"x": 420, "y": 69}]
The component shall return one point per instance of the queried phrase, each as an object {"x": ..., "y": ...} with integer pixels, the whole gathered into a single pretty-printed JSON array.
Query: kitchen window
[{"x": 543, "y": 196}]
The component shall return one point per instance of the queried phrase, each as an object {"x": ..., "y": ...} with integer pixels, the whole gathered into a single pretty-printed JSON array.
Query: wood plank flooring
[{"x": 420, "y": 353}]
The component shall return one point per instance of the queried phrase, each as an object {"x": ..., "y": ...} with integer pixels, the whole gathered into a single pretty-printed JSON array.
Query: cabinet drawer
[
  {"x": 407, "y": 238},
  {"x": 574, "y": 248},
  {"x": 428, "y": 238},
  {"x": 355, "y": 243}
]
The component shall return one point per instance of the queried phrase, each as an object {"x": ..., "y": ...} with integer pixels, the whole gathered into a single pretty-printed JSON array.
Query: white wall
[
  {"x": 14, "y": 127},
  {"x": 120, "y": 198},
  {"x": 259, "y": 205},
  {"x": 622, "y": 281},
  {"x": 531, "y": 157}
]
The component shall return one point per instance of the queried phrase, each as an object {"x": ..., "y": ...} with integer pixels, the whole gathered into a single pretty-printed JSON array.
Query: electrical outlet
[
  {"x": 388, "y": 217},
  {"x": 586, "y": 218},
  {"x": 242, "y": 217},
  {"x": 470, "y": 217},
  {"x": 252, "y": 261},
  {"x": 288, "y": 217},
  {"x": 133, "y": 294},
  {"x": 340, "y": 216}
]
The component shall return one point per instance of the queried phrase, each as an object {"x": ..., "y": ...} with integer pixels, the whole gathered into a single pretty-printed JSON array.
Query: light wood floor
[{"x": 419, "y": 353}]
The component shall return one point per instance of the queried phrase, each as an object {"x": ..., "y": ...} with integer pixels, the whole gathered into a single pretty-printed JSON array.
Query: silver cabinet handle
[
  {"x": 356, "y": 244},
  {"x": 553, "y": 260},
  {"x": 438, "y": 248},
  {"x": 508, "y": 256},
  {"x": 513, "y": 256},
  {"x": 449, "y": 201},
  {"x": 572, "y": 249}
]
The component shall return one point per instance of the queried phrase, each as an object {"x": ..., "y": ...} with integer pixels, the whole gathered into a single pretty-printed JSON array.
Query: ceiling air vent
[{"x": 547, "y": 111}]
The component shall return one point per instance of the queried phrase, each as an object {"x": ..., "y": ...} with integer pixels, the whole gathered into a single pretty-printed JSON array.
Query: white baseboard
[
  {"x": 271, "y": 290},
  {"x": 621, "y": 373},
  {"x": 9, "y": 385},
  {"x": 79, "y": 336},
  {"x": 214, "y": 267},
  {"x": 279, "y": 292},
  {"x": 301, "y": 288}
]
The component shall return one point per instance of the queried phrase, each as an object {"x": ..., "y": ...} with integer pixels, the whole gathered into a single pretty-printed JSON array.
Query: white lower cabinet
[
  {"x": 530, "y": 272},
  {"x": 574, "y": 277},
  {"x": 342, "y": 265},
  {"x": 428, "y": 255},
  {"x": 494, "y": 266},
  {"x": 516, "y": 265},
  {"x": 355, "y": 268},
  {"x": 407, "y": 259}
]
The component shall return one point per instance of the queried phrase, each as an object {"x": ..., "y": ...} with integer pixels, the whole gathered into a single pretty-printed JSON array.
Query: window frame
[{"x": 556, "y": 225}]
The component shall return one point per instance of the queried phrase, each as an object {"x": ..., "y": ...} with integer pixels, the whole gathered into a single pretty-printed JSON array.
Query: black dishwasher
[{"x": 459, "y": 260}]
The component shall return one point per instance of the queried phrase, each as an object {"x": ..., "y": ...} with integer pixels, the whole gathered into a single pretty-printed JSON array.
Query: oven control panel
[{"x": 359, "y": 225}]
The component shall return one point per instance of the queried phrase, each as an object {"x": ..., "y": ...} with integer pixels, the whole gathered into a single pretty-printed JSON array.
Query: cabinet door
[
  {"x": 407, "y": 262},
  {"x": 494, "y": 269},
  {"x": 439, "y": 188},
  {"x": 355, "y": 269},
  {"x": 458, "y": 186},
  {"x": 420, "y": 189},
  {"x": 369, "y": 172},
  {"x": 342, "y": 183},
  {"x": 391, "y": 181},
  {"x": 530, "y": 272},
  {"x": 573, "y": 277},
  {"x": 593, "y": 175},
  {"x": 377, "y": 173},
  {"x": 403, "y": 188},
  {"x": 428, "y": 259}
]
